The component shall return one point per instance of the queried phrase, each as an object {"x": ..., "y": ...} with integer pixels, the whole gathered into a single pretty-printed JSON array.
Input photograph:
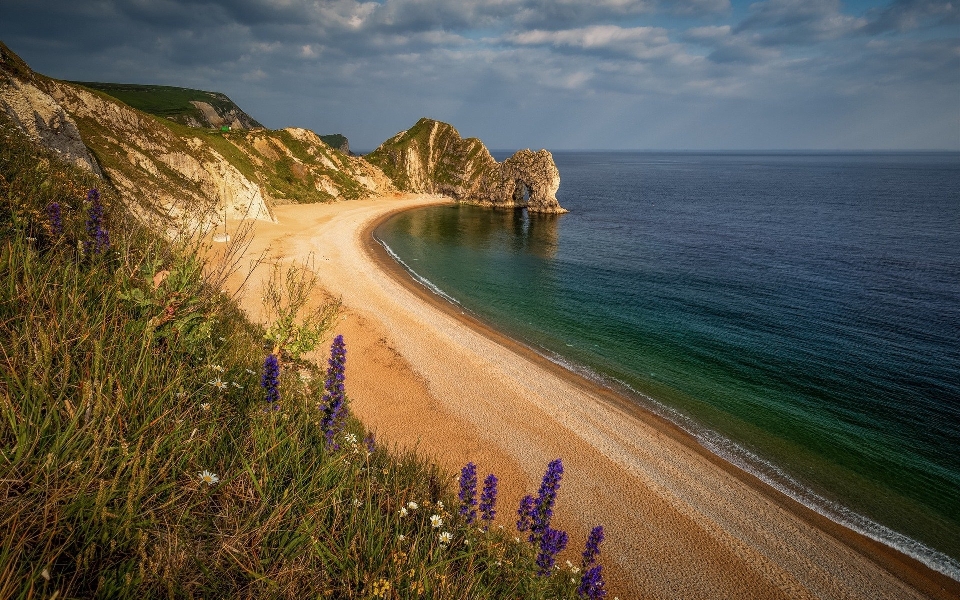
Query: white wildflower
[
  {"x": 439, "y": 505},
  {"x": 251, "y": 371},
  {"x": 350, "y": 438},
  {"x": 436, "y": 521},
  {"x": 401, "y": 537},
  {"x": 217, "y": 368},
  {"x": 445, "y": 537},
  {"x": 205, "y": 406},
  {"x": 235, "y": 384},
  {"x": 412, "y": 505},
  {"x": 208, "y": 477},
  {"x": 356, "y": 502},
  {"x": 218, "y": 383},
  {"x": 403, "y": 512}
]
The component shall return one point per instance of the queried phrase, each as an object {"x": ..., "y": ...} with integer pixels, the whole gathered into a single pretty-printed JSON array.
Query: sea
[{"x": 797, "y": 313}]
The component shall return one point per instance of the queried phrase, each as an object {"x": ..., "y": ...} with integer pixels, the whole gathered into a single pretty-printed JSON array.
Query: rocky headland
[
  {"x": 183, "y": 170},
  {"x": 431, "y": 157}
]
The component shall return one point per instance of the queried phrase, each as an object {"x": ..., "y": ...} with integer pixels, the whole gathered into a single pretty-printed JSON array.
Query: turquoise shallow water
[{"x": 799, "y": 314}]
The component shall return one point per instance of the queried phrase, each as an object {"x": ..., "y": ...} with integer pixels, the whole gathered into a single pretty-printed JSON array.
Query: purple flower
[
  {"x": 526, "y": 508},
  {"x": 543, "y": 506},
  {"x": 370, "y": 441},
  {"x": 468, "y": 492},
  {"x": 270, "y": 381},
  {"x": 592, "y": 550},
  {"x": 591, "y": 584},
  {"x": 551, "y": 542},
  {"x": 99, "y": 238},
  {"x": 55, "y": 216},
  {"x": 334, "y": 412},
  {"x": 488, "y": 499}
]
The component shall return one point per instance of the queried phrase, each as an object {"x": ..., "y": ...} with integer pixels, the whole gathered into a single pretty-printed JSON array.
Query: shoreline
[
  {"x": 891, "y": 559},
  {"x": 681, "y": 521}
]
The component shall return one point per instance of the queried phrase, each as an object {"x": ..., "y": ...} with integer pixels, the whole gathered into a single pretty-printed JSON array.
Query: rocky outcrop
[
  {"x": 431, "y": 157},
  {"x": 224, "y": 112},
  {"x": 181, "y": 182},
  {"x": 337, "y": 141},
  {"x": 39, "y": 115}
]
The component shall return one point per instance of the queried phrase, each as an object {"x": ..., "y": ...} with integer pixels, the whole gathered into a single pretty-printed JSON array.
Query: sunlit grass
[{"x": 136, "y": 455}]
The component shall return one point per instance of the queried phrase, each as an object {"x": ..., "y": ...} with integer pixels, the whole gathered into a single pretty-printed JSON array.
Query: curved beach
[{"x": 680, "y": 522}]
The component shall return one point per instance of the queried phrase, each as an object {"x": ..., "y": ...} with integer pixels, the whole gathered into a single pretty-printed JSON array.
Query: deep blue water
[{"x": 798, "y": 313}]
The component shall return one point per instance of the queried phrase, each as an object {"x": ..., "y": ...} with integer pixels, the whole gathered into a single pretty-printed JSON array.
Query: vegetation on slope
[
  {"x": 139, "y": 456},
  {"x": 445, "y": 162},
  {"x": 172, "y": 103},
  {"x": 336, "y": 140}
]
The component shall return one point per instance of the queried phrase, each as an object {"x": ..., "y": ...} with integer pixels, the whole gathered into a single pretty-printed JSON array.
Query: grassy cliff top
[{"x": 166, "y": 101}]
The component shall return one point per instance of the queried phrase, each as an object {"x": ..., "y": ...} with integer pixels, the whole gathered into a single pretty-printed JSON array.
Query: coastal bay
[{"x": 680, "y": 521}]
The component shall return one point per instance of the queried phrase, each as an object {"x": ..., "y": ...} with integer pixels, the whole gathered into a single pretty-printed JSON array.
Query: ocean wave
[
  {"x": 769, "y": 473},
  {"x": 416, "y": 276},
  {"x": 734, "y": 453}
]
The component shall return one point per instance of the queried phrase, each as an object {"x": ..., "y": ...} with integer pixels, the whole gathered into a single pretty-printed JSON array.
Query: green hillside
[{"x": 170, "y": 102}]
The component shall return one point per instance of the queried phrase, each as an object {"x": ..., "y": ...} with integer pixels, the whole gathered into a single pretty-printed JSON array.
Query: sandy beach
[{"x": 680, "y": 523}]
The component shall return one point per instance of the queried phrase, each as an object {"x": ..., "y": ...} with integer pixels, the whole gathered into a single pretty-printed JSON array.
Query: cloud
[
  {"x": 642, "y": 43},
  {"x": 904, "y": 15},
  {"x": 804, "y": 22},
  {"x": 528, "y": 72}
]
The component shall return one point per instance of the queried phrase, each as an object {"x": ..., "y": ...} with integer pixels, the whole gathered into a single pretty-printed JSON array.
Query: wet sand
[{"x": 680, "y": 522}]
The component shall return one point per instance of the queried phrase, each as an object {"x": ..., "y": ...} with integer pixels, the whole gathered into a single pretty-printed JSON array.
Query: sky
[{"x": 556, "y": 74}]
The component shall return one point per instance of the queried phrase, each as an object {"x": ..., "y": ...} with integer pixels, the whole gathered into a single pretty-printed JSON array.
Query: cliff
[
  {"x": 181, "y": 175},
  {"x": 175, "y": 177},
  {"x": 193, "y": 108},
  {"x": 431, "y": 157}
]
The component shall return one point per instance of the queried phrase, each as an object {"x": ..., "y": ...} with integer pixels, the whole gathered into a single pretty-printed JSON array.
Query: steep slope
[
  {"x": 431, "y": 157},
  {"x": 194, "y": 108},
  {"x": 173, "y": 176}
]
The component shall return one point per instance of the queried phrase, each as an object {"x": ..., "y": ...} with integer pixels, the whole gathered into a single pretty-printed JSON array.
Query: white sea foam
[
  {"x": 739, "y": 456},
  {"x": 416, "y": 276}
]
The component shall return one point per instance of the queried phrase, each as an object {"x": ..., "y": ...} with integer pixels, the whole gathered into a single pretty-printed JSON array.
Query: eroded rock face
[
  {"x": 431, "y": 157},
  {"x": 42, "y": 118},
  {"x": 170, "y": 177}
]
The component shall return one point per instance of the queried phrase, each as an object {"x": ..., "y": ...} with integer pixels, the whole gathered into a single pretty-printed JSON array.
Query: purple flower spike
[
  {"x": 334, "y": 412},
  {"x": 55, "y": 216},
  {"x": 543, "y": 506},
  {"x": 526, "y": 508},
  {"x": 99, "y": 238},
  {"x": 591, "y": 584},
  {"x": 270, "y": 381},
  {"x": 370, "y": 441},
  {"x": 592, "y": 550},
  {"x": 488, "y": 499},
  {"x": 551, "y": 543},
  {"x": 468, "y": 492}
]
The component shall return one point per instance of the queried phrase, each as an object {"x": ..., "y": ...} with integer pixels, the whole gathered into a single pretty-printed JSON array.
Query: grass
[
  {"x": 334, "y": 140},
  {"x": 127, "y": 375},
  {"x": 162, "y": 100},
  {"x": 451, "y": 174}
]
